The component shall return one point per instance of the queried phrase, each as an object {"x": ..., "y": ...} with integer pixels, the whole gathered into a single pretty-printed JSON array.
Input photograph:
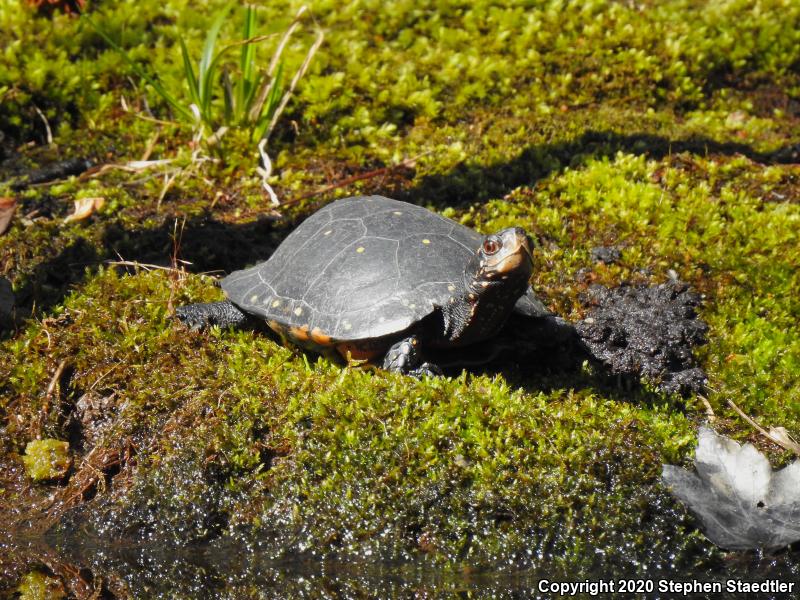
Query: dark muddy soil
[{"x": 648, "y": 331}]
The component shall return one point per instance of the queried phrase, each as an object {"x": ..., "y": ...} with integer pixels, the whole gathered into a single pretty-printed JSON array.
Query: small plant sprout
[{"x": 223, "y": 95}]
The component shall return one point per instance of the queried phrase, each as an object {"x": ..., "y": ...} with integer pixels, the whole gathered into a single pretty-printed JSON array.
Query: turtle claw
[
  {"x": 404, "y": 357},
  {"x": 426, "y": 369}
]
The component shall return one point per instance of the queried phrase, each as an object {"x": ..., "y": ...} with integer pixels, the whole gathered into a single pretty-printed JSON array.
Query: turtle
[{"x": 383, "y": 281}]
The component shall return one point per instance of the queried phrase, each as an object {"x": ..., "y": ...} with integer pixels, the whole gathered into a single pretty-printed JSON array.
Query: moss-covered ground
[{"x": 668, "y": 128}]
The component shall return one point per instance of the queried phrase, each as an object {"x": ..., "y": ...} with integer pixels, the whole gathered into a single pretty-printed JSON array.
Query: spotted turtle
[{"x": 376, "y": 279}]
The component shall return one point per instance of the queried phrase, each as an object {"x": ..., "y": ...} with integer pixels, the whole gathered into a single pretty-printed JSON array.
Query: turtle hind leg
[
  {"x": 404, "y": 357},
  {"x": 203, "y": 315}
]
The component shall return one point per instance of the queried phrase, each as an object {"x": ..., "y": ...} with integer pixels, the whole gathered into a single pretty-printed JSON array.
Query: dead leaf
[
  {"x": 84, "y": 207},
  {"x": 7, "y": 207},
  {"x": 780, "y": 435},
  {"x": 741, "y": 502}
]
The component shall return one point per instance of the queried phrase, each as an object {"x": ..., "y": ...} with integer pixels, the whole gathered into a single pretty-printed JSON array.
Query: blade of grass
[
  {"x": 297, "y": 76},
  {"x": 188, "y": 71},
  {"x": 229, "y": 101},
  {"x": 269, "y": 105},
  {"x": 247, "y": 64},
  {"x": 243, "y": 105},
  {"x": 211, "y": 77},
  {"x": 257, "y": 109},
  {"x": 285, "y": 40},
  {"x": 208, "y": 62}
]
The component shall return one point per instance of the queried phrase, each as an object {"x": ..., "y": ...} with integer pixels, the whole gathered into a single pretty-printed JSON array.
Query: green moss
[
  {"x": 38, "y": 586},
  {"x": 666, "y": 129},
  {"x": 47, "y": 459},
  {"x": 463, "y": 469}
]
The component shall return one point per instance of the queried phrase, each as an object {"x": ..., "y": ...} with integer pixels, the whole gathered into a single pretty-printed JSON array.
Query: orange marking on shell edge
[
  {"x": 299, "y": 333},
  {"x": 352, "y": 352},
  {"x": 276, "y": 327},
  {"x": 319, "y": 337}
]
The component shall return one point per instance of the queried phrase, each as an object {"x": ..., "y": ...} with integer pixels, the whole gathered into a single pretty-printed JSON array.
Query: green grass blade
[
  {"x": 275, "y": 93},
  {"x": 229, "y": 101},
  {"x": 208, "y": 83},
  {"x": 270, "y": 104},
  {"x": 250, "y": 97},
  {"x": 293, "y": 84},
  {"x": 188, "y": 71},
  {"x": 265, "y": 91},
  {"x": 247, "y": 60},
  {"x": 208, "y": 62}
]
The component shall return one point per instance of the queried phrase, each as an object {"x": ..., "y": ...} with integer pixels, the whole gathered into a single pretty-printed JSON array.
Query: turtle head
[
  {"x": 502, "y": 265},
  {"x": 494, "y": 279}
]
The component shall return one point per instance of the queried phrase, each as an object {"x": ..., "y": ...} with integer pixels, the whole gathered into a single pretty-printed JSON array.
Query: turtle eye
[{"x": 491, "y": 246}]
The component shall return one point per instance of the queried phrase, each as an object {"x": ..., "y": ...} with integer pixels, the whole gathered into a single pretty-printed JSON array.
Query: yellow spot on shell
[
  {"x": 328, "y": 232},
  {"x": 347, "y": 325},
  {"x": 397, "y": 212},
  {"x": 298, "y": 311},
  {"x": 451, "y": 288},
  {"x": 426, "y": 241},
  {"x": 360, "y": 249},
  {"x": 254, "y": 297},
  {"x": 276, "y": 304}
]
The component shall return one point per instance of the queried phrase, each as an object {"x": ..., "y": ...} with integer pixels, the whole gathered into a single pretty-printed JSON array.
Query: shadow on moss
[
  {"x": 210, "y": 244},
  {"x": 470, "y": 183}
]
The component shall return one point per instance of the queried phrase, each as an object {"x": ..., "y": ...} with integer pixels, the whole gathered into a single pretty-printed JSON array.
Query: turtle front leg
[
  {"x": 404, "y": 357},
  {"x": 202, "y": 315}
]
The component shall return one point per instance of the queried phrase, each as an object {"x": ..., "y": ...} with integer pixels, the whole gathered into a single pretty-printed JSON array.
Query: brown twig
[
  {"x": 146, "y": 267},
  {"x": 50, "y": 392},
  {"x": 131, "y": 167},
  {"x": 151, "y": 144},
  {"x": 51, "y": 387},
  {"x": 791, "y": 447},
  {"x": 709, "y": 410},
  {"x": 149, "y": 267},
  {"x": 177, "y": 238}
]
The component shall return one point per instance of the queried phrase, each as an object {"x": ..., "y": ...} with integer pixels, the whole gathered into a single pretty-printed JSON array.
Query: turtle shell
[{"x": 359, "y": 268}]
